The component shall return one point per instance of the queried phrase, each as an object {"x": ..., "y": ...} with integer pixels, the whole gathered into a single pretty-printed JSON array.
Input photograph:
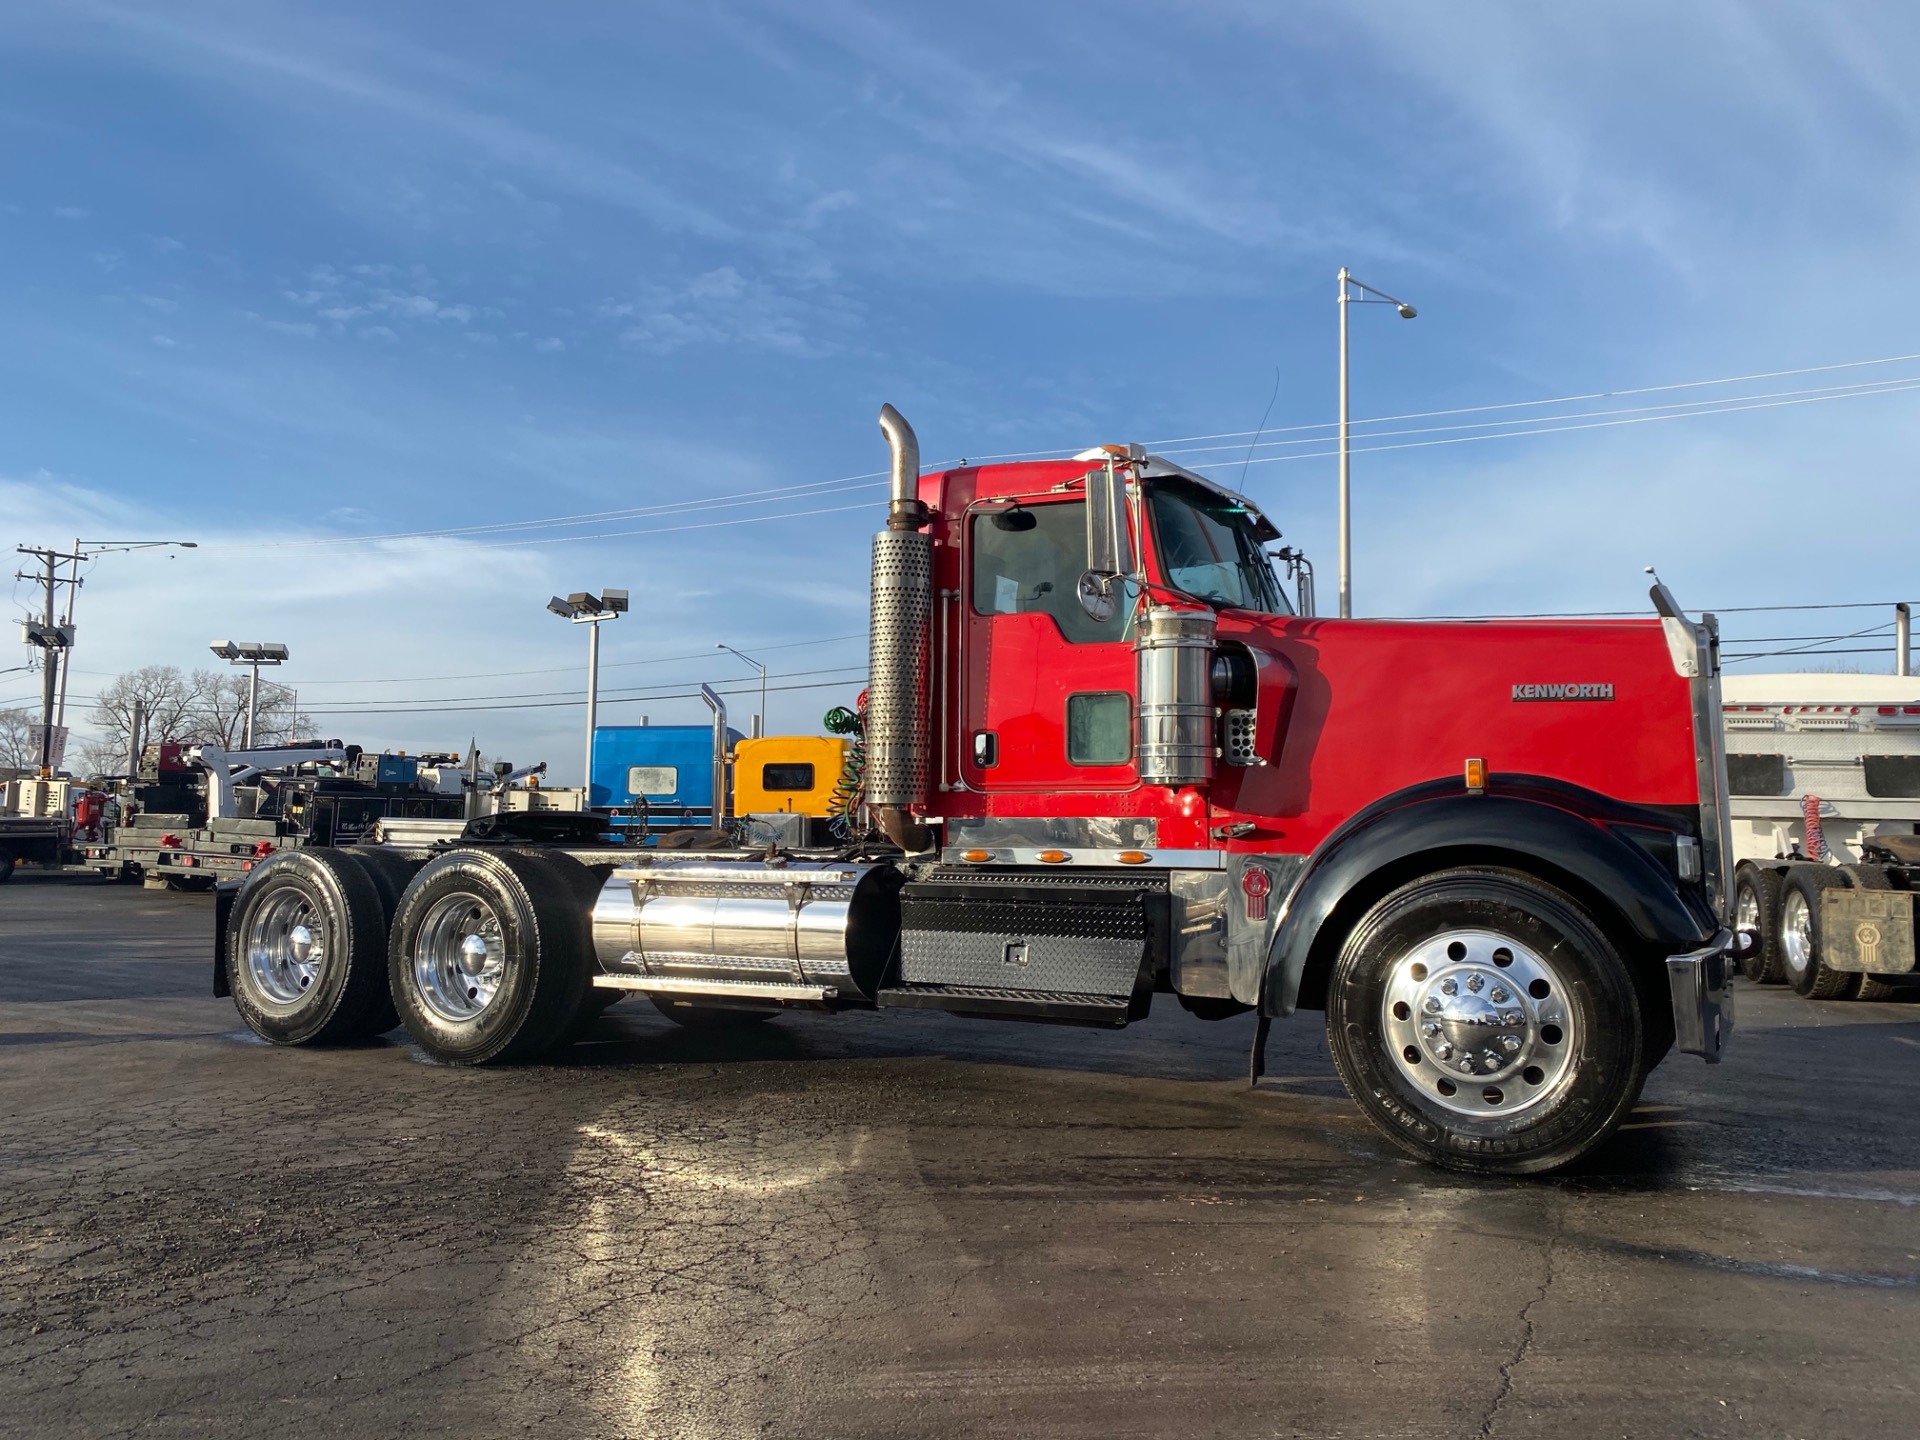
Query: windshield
[{"x": 1207, "y": 549}]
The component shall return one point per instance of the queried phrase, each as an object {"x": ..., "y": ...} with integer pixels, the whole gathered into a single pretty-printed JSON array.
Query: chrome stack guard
[{"x": 1702, "y": 985}]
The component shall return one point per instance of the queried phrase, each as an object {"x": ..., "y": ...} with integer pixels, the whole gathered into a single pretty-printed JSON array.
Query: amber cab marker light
[
  {"x": 1476, "y": 777},
  {"x": 1054, "y": 857},
  {"x": 977, "y": 857},
  {"x": 1134, "y": 857}
]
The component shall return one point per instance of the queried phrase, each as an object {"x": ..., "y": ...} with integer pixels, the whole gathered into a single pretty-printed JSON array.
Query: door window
[{"x": 1029, "y": 559}]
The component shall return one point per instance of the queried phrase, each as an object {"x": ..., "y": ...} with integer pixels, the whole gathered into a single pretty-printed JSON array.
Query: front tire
[
  {"x": 490, "y": 959},
  {"x": 306, "y": 949},
  {"x": 1484, "y": 1023}
]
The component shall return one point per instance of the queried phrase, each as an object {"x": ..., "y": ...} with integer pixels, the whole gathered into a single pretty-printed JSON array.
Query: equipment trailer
[{"x": 1109, "y": 764}]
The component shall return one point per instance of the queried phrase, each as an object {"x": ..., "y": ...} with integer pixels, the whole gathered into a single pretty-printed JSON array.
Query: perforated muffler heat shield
[{"x": 897, "y": 670}]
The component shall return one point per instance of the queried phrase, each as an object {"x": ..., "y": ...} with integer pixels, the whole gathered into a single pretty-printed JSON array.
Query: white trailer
[{"x": 1824, "y": 789}]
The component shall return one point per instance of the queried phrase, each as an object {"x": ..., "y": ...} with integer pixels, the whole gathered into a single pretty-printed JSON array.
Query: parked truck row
[
  {"x": 1824, "y": 782},
  {"x": 1105, "y": 762}
]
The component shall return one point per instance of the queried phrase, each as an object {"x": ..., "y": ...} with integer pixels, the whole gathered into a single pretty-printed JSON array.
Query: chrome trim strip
[{"x": 742, "y": 989}]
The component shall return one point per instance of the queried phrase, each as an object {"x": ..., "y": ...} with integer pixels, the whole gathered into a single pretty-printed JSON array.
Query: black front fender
[{"x": 1550, "y": 830}]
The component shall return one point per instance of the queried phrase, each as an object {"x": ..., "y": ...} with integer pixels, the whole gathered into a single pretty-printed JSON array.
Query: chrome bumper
[{"x": 1702, "y": 986}]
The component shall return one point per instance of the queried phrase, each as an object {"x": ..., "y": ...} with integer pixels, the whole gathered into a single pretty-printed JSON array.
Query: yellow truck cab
[{"x": 790, "y": 774}]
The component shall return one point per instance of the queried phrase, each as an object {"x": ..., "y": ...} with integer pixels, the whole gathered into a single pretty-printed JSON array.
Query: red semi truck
[{"x": 1107, "y": 763}]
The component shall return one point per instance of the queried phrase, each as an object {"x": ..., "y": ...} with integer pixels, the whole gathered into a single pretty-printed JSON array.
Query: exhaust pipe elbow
[{"x": 904, "y": 510}]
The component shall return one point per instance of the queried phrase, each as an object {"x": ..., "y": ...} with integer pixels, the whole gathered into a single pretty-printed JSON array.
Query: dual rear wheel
[{"x": 485, "y": 956}]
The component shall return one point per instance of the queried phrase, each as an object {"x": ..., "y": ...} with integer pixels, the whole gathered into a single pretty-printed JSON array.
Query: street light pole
[
  {"x": 1407, "y": 312},
  {"x": 760, "y": 720},
  {"x": 253, "y": 654},
  {"x": 583, "y": 607}
]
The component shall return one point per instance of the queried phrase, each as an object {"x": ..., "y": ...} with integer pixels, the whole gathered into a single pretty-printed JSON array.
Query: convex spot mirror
[{"x": 1109, "y": 556}]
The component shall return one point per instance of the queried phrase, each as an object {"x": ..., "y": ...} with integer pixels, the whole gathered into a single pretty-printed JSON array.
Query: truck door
[{"x": 1047, "y": 693}]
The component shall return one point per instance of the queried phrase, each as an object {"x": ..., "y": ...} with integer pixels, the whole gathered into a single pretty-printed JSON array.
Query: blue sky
[{"x": 276, "y": 273}]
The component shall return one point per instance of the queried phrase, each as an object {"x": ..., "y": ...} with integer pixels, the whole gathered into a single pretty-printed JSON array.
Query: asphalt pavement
[{"x": 906, "y": 1225}]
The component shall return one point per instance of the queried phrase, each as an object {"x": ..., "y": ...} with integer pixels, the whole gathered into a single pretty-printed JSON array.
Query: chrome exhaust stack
[{"x": 899, "y": 626}]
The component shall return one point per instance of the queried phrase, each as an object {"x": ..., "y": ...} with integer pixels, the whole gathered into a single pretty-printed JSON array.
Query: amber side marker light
[
  {"x": 1476, "y": 777},
  {"x": 977, "y": 857},
  {"x": 1134, "y": 857},
  {"x": 1054, "y": 857}
]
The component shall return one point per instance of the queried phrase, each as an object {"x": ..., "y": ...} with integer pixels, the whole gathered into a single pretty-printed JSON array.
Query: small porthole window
[{"x": 1100, "y": 728}]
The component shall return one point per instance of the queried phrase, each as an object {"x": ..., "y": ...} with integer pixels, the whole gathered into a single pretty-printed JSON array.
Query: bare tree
[
  {"x": 19, "y": 740},
  {"x": 99, "y": 756},
  {"x": 219, "y": 714},
  {"x": 167, "y": 695}
]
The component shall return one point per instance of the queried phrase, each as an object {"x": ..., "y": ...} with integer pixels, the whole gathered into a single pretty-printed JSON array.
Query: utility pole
[
  {"x": 54, "y": 637},
  {"x": 49, "y": 635}
]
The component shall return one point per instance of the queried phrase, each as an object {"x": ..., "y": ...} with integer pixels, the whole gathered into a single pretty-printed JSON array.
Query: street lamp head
[
  {"x": 584, "y": 602},
  {"x": 1407, "y": 312},
  {"x": 560, "y": 608},
  {"x": 615, "y": 601}
]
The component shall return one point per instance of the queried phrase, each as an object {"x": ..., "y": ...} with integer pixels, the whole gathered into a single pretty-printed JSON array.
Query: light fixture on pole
[
  {"x": 1370, "y": 296},
  {"x": 760, "y": 720},
  {"x": 583, "y": 607},
  {"x": 253, "y": 654}
]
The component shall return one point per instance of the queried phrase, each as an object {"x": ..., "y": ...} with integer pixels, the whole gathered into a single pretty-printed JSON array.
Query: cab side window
[{"x": 1029, "y": 558}]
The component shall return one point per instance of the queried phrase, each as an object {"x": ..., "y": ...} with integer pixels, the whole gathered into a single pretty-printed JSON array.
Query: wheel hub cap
[
  {"x": 459, "y": 959},
  {"x": 1479, "y": 1022},
  {"x": 286, "y": 947},
  {"x": 1796, "y": 932}
]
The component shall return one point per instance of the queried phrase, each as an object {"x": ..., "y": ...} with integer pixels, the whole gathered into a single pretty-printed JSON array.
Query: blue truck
[{"x": 659, "y": 777}]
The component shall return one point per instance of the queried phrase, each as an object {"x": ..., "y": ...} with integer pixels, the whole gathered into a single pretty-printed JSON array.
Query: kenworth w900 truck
[{"x": 1107, "y": 764}]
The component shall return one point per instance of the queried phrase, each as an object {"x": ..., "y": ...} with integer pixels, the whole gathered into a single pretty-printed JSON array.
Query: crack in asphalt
[{"x": 1528, "y": 1332}]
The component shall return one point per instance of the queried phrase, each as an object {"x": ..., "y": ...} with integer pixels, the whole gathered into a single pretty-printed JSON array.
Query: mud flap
[{"x": 223, "y": 897}]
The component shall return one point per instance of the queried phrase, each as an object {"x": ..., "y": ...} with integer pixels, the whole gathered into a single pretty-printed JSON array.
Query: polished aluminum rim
[
  {"x": 1796, "y": 932},
  {"x": 1480, "y": 1023},
  {"x": 459, "y": 959},
  {"x": 286, "y": 946},
  {"x": 1746, "y": 909}
]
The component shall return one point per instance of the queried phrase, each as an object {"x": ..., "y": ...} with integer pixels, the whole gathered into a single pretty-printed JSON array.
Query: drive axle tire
[
  {"x": 1756, "y": 906},
  {"x": 1800, "y": 934},
  {"x": 696, "y": 1016},
  {"x": 306, "y": 951},
  {"x": 490, "y": 957},
  {"x": 1485, "y": 1023},
  {"x": 391, "y": 873}
]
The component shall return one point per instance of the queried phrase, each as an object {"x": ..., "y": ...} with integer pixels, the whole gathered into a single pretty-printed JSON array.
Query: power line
[
  {"x": 556, "y": 669},
  {"x": 1678, "y": 409},
  {"x": 340, "y": 707},
  {"x": 747, "y": 689},
  {"x": 871, "y": 478}
]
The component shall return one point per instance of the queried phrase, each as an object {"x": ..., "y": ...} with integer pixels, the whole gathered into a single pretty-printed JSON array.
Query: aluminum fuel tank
[{"x": 803, "y": 930}]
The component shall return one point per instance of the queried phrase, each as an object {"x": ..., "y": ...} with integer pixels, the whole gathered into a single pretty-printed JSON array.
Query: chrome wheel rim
[
  {"x": 1746, "y": 909},
  {"x": 1796, "y": 932},
  {"x": 287, "y": 945},
  {"x": 459, "y": 959},
  {"x": 1480, "y": 1023}
]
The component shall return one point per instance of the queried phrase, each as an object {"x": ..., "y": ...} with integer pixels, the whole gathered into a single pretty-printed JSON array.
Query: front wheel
[{"x": 1484, "y": 1023}]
